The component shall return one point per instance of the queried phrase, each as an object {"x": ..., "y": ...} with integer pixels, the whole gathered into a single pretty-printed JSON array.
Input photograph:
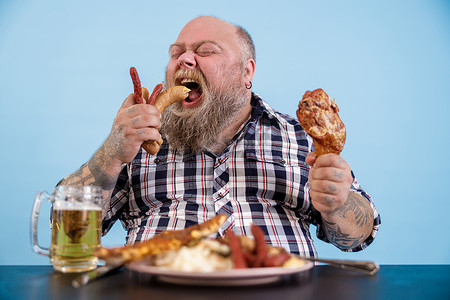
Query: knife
[
  {"x": 366, "y": 267},
  {"x": 102, "y": 271}
]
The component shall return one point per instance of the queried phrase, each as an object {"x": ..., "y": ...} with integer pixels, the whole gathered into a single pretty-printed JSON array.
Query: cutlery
[
  {"x": 366, "y": 267},
  {"x": 85, "y": 278}
]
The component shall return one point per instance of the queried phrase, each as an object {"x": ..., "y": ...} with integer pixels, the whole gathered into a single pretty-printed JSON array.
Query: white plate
[{"x": 235, "y": 277}]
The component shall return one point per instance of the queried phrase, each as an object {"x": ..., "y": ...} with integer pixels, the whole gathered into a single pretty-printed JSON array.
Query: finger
[
  {"x": 146, "y": 120},
  {"x": 148, "y": 134},
  {"x": 142, "y": 109},
  {"x": 311, "y": 158},
  {"x": 323, "y": 198},
  {"x": 129, "y": 101},
  {"x": 324, "y": 203},
  {"x": 330, "y": 160},
  {"x": 329, "y": 173},
  {"x": 324, "y": 186}
]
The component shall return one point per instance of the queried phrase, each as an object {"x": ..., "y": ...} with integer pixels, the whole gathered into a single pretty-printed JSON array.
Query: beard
[{"x": 191, "y": 130}]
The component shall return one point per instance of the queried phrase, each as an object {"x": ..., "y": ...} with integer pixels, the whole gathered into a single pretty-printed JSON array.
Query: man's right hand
[{"x": 133, "y": 125}]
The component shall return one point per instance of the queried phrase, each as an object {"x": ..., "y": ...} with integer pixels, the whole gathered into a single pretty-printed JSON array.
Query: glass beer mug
[{"x": 76, "y": 227}]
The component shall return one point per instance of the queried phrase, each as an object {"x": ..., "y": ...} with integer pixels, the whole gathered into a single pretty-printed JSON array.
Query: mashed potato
[{"x": 206, "y": 256}]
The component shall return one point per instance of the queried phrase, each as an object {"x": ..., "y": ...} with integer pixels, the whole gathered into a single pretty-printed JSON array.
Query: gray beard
[{"x": 197, "y": 129}]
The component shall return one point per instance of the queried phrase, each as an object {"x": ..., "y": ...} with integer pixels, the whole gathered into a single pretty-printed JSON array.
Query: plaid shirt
[{"x": 261, "y": 178}]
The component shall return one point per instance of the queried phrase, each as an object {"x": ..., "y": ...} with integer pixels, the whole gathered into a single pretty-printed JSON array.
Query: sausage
[
  {"x": 170, "y": 96},
  {"x": 237, "y": 255},
  {"x": 260, "y": 246},
  {"x": 156, "y": 91},
  {"x": 137, "y": 85},
  {"x": 166, "y": 98},
  {"x": 276, "y": 260}
]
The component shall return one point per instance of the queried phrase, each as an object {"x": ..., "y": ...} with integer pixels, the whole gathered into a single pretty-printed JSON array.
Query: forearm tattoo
[
  {"x": 355, "y": 212},
  {"x": 90, "y": 174},
  {"x": 340, "y": 239},
  {"x": 82, "y": 176},
  {"x": 97, "y": 166},
  {"x": 93, "y": 173}
]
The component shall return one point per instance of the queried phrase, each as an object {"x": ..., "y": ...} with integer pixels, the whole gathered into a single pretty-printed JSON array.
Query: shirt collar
[{"x": 260, "y": 108}]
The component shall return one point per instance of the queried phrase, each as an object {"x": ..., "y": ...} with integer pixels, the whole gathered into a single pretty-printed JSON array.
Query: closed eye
[
  {"x": 205, "y": 53},
  {"x": 176, "y": 51},
  {"x": 175, "y": 54},
  {"x": 207, "y": 48}
]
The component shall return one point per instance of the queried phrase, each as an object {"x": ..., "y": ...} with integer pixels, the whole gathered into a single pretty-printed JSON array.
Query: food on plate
[
  {"x": 231, "y": 252},
  {"x": 208, "y": 255},
  {"x": 192, "y": 250},
  {"x": 165, "y": 241},
  {"x": 159, "y": 99},
  {"x": 319, "y": 117},
  {"x": 255, "y": 253}
]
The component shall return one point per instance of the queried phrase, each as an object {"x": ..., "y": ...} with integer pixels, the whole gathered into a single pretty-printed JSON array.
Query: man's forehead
[{"x": 207, "y": 28}]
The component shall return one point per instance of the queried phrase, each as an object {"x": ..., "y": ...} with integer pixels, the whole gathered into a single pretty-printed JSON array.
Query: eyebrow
[{"x": 196, "y": 45}]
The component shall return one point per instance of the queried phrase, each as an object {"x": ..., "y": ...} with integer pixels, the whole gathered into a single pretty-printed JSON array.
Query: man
[{"x": 225, "y": 151}]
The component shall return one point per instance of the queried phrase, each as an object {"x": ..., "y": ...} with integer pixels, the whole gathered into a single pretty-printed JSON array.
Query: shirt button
[
  {"x": 156, "y": 161},
  {"x": 282, "y": 161},
  {"x": 220, "y": 195}
]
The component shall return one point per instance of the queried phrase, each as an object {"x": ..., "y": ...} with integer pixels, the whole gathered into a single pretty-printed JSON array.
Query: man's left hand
[{"x": 330, "y": 179}]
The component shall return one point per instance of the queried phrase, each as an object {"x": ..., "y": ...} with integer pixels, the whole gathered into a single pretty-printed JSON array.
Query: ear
[{"x": 249, "y": 69}]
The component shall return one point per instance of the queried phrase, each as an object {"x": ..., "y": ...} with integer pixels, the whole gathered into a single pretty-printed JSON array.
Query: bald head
[{"x": 242, "y": 38}]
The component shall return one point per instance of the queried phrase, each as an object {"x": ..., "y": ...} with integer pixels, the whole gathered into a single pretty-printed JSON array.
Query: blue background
[{"x": 64, "y": 73}]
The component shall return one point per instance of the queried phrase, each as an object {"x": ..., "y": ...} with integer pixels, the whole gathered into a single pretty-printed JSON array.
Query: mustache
[{"x": 181, "y": 75}]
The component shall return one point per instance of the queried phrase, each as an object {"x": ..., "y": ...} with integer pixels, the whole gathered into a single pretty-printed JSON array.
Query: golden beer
[{"x": 76, "y": 233}]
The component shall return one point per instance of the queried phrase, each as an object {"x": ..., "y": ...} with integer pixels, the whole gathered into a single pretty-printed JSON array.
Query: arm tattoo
[
  {"x": 353, "y": 210},
  {"x": 340, "y": 239},
  {"x": 80, "y": 177},
  {"x": 97, "y": 166},
  {"x": 93, "y": 173},
  {"x": 362, "y": 215},
  {"x": 90, "y": 174}
]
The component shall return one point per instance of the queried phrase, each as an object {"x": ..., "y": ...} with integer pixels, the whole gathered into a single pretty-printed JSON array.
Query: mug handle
[{"x": 34, "y": 222}]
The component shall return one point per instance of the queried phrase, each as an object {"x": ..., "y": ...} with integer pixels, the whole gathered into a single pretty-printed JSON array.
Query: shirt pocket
[{"x": 276, "y": 176}]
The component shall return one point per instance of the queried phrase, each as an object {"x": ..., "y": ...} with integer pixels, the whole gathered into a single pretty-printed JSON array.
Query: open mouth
[{"x": 196, "y": 90}]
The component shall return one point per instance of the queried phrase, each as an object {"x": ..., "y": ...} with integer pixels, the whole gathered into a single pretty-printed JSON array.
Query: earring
[{"x": 250, "y": 86}]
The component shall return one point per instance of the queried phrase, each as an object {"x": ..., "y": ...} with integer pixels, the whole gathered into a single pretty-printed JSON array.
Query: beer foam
[{"x": 77, "y": 206}]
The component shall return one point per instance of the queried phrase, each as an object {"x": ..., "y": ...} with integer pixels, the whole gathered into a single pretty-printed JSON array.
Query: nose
[{"x": 187, "y": 61}]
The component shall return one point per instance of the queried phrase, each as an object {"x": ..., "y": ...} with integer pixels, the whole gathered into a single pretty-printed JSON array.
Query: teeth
[{"x": 184, "y": 81}]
